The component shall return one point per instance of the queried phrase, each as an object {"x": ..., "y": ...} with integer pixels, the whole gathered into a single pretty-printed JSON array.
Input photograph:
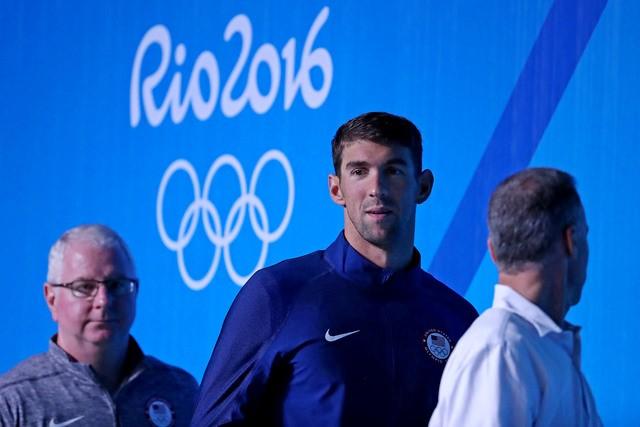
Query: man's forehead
[
  {"x": 86, "y": 258},
  {"x": 83, "y": 248},
  {"x": 363, "y": 150}
]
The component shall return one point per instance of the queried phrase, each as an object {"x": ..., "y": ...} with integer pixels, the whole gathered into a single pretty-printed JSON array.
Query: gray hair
[
  {"x": 527, "y": 212},
  {"x": 96, "y": 235}
]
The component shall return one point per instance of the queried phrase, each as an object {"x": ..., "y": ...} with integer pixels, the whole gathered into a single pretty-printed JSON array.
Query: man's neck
[
  {"x": 540, "y": 287},
  {"x": 106, "y": 361},
  {"x": 393, "y": 258}
]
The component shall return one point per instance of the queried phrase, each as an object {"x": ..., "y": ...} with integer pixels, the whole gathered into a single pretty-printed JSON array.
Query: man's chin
[
  {"x": 102, "y": 338},
  {"x": 382, "y": 239},
  {"x": 104, "y": 334}
]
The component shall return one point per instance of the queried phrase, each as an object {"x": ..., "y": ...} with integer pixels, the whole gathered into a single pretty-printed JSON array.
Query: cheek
[
  {"x": 350, "y": 198},
  {"x": 351, "y": 203},
  {"x": 69, "y": 312},
  {"x": 127, "y": 306},
  {"x": 408, "y": 191}
]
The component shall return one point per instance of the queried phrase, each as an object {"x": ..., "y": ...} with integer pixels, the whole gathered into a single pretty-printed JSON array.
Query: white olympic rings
[{"x": 222, "y": 238}]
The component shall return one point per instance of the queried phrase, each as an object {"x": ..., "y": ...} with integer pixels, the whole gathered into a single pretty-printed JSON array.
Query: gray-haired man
[
  {"x": 94, "y": 373},
  {"x": 519, "y": 362}
]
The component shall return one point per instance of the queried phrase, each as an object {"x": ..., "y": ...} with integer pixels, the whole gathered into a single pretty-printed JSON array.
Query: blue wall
[{"x": 109, "y": 107}]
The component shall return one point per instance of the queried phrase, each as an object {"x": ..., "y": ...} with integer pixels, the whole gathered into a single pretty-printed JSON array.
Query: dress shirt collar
[{"x": 568, "y": 336}]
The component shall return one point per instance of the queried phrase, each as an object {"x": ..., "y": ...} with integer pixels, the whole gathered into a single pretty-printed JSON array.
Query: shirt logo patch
[
  {"x": 332, "y": 338},
  {"x": 437, "y": 344},
  {"x": 53, "y": 423},
  {"x": 159, "y": 412}
]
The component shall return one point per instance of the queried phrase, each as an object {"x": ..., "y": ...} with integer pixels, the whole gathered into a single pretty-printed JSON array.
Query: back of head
[
  {"x": 94, "y": 234},
  {"x": 380, "y": 128},
  {"x": 527, "y": 213}
]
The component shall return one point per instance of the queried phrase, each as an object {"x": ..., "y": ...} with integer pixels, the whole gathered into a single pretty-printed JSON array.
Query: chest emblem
[
  {"x": 159, "y": 412},
  {"x": 437, "y": 344}
]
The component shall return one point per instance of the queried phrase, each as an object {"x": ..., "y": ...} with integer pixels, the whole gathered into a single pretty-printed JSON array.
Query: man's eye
[
  {"x": 395, "y": 171},
  {"x": 84, "y": 287},
  {"x": 357, "y": 172},
  {"x": 116, "y": 284}
]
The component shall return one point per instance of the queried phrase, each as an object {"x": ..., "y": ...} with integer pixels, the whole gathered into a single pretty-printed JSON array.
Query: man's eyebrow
[
  {"x": 93, "y": 279},
  {"x": 363, "y": 163},
  {"x": 397, "y": 161},
  {"x": 80, "y": 278},
  {"x": 356, "y": 164}
]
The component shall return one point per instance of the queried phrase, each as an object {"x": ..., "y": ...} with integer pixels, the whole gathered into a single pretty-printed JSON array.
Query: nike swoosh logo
[
  {"x": 52, "y": 423},
  {"x": 332, "y": 338}
]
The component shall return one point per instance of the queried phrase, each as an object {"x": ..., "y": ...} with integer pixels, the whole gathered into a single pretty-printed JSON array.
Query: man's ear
[
  {"x": 568, "y": 235},
  {"x": 425, "y": 184},
  {"x": 492, "y": 253},
  {"x": 334, "y": 190},
  {"x": 50, "y": 298}
]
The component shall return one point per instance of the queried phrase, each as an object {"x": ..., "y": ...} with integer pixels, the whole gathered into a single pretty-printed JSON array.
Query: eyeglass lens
[{"x": 88, "y": 288}]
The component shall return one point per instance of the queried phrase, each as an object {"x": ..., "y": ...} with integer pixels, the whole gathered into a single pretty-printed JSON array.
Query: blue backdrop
[{"x": 201, "y": 132}]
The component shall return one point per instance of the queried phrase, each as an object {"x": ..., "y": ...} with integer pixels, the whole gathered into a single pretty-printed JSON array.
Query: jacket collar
[
  {"x": 134, "y": 362},
  {"x": 350, "y": 264}
]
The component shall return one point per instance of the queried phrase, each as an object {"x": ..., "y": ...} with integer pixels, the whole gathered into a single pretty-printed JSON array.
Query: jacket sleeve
[{"x": 235, "y": 379}]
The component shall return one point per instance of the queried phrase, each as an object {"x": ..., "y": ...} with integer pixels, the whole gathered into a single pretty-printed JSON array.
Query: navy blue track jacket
[{"x": 331, "y": 339}]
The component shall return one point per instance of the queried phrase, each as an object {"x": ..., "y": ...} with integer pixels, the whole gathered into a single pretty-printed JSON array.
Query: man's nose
[
  {"x": 103, "y": 297},
  {"x": 378, "y": 184}
]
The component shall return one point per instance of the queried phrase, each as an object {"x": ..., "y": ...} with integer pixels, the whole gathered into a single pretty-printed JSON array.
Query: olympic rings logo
[
  {"x": 221, "y": 237},
  {"x": 440, "y": 352}
]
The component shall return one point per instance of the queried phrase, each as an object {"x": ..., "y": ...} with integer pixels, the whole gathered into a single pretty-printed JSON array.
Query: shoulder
[
  {"x": 170, "y": 373},
  {"x": 294, "y": 269},
  {"x": 497, "y": 333},
  {"x": 504, "y": 327},
  {"x": 29, "y": 370},
  {"x": 263, "y": 304},
  {"x": 280, "y": 282},
  {"x": 26, "y": 388},
  {"x": 445, "y": 296}
]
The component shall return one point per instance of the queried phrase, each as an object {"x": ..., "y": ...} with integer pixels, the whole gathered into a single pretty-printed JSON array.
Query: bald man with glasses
[{"x": 94, "y": 373}]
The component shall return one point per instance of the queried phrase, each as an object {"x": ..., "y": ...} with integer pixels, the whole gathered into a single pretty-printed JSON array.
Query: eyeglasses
[{"x": 88, "y": 288}]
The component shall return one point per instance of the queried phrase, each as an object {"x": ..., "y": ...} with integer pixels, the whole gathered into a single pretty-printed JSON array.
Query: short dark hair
[
  {"x": 380, "y": 128},
  {"x": 527, "y": 211}
]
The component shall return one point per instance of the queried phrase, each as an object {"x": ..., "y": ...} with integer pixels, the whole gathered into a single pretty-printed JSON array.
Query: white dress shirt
[{"x": 515, "y": 367}]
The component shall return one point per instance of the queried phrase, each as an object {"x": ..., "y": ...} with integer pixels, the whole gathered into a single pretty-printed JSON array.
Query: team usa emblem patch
[
  {"x": 437, "y": 344},
  {"x": 160, "y": 412}
]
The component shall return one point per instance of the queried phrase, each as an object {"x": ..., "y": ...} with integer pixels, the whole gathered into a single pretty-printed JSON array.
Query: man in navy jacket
[{"x": 357, "y": 334}]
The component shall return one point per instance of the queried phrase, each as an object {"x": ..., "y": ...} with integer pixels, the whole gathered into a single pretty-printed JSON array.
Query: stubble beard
[{"x": 378, "y": 234}]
